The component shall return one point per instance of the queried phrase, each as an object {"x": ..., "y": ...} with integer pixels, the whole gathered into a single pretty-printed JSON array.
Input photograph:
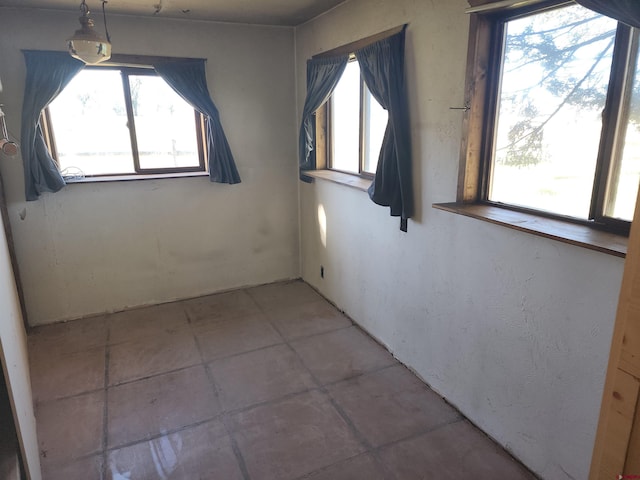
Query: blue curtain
[
  {"x": 625, "y": 11},
  {"x": 47, "y": 75},
  {"x": 382, "y": 67},
  {"x": 323, "y": 75},
  {"x": 188, "y": 79}
]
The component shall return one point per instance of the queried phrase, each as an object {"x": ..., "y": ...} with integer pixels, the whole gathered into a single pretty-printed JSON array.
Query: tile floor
[{"x": 266, "y": 383}]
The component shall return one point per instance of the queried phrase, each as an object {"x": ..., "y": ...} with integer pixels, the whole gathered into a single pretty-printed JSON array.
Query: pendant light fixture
[{"x": 87, "y": 44}]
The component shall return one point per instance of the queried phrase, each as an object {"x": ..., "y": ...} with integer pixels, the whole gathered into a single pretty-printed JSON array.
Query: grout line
[
  {"x": 265, "y": 311},
  {"x": 155, "y": 436},
  {"x": 154, "y": 375},
  {"x": 169, "y": 332},
  {"x": 418, "y": 434},
  {"x": 105, "y": 414},
  {"x": 75, "y": 395},
  {"x": 317, "y": 334},
  {"x": 185, "y": 311},
  {"x": 226, "y": 422},
  {"x": 272, "y": 401},
  {"x": 362, "y": 374},
  {"x": 236, "y": 450},
  {"x": 327, "y": 467},
  {"x": 253, "y": 300},
  {"x": 358, "y": 435},
  {"x": 234, "y": 355},
  {"x": 216, "y": 392}
]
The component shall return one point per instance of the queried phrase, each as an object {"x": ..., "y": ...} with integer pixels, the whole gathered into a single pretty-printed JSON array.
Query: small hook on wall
[
  {"x": 7, "y": 147},
  {"x": 466, "y": 107}
]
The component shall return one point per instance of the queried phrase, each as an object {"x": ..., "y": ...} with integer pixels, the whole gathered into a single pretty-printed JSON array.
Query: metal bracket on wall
[{"x": 6, "y": 146}]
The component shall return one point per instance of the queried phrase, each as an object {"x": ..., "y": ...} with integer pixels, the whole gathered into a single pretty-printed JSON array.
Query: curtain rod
[
  {"x": 358, "y": 44},
  {"x": 504, "y": 4}
]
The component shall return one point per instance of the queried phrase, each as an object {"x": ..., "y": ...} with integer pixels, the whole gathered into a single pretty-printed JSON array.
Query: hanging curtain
[
  {"x": 47, "y": 75},
  {"x": 625, "y": 11},
  {"x": 382, "y": 67},
  {"x": 323, "y": 75},
  {"x": 188, "y": 79}
]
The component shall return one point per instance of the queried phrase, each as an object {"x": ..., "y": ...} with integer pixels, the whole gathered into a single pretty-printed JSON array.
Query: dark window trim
[
  {"x": 615, "y": 123},
  {"x": 134, "y": 65},
  {"x": 349, "y": 48},
  {"x": 144, "y": 61},
  {"x": 483, "y": 62}
]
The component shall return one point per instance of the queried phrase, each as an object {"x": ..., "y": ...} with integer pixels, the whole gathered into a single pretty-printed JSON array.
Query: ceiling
[{"x": 262, "y": 12}]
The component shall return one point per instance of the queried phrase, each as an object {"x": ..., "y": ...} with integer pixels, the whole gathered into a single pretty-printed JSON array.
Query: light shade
[{"x": 87, "y": 44}]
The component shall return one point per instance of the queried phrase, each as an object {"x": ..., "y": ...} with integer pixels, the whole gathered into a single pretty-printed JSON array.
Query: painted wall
[
  {"x": 14, "y": 361},
  {"x": 511, "y": 328},
  {"x": 101, "y": 247}
]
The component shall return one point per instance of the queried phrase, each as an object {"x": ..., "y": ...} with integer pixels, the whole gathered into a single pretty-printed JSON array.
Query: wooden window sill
[
  {"x": 566, "y": 232},
  {"x": 353, "y": 181}
]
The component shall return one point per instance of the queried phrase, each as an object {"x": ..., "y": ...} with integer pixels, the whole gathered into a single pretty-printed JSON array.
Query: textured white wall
[
  {"x": 100, "y": 247},
  {"x": 511, "y": 328},
  {"x": 14, "y": 362}
]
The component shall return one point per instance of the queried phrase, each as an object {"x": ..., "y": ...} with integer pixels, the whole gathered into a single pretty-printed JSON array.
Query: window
[
  {"x": 123, "y": 121},
  {"x": 557, "y": 117},
  {"x": 356, "y": 124}
]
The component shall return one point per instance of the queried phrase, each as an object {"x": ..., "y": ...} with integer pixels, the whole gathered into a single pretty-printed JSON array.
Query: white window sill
[
  {"x": 125, "y": 178},
  {"x": 353, "y": 181}
]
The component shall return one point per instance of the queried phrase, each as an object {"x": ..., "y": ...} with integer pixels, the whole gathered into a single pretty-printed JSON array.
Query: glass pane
[
  {"x": 375, "y": 124},
  {"x": 89, "y": 119},
  {"x": 555, "y": 77},
  {"x": 345, "y": 121},
  {"x": 625, "y": 172},
  {"x": 165, "y": 125}
]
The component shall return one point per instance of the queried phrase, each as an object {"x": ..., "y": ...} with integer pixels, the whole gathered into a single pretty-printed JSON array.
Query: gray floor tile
[
  {"x": 144, "y": 322},
  {"x": 199, "y": 453},
  {"x": 307, "y": 319},
  {"x": 70, "y": 428},
  {"x": 235, "y": 335},
  {"x": 452, "y": 452},
  {"x": 391, "y": 404},
  {"x": 258, "y": 376},
  {"x": 283, "y": 294},
  {"x": 341, "y": 354},
  {"x": 159, "y": 404},
  {"x": 293, "y": 437},
  {"x": 152, "y": 355}
]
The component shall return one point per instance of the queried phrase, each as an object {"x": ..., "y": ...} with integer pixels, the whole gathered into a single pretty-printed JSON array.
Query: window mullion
[
  {"x": 130, "y": 120},
  {"x": 611, "y": 117},
  {"x": 363, "y": 119},
  {"x": 490, "y": 120},
  {"x": 623, "y": 121},
  {"x": 201, "y": 137},
  {"x": 329, "y": 138}
]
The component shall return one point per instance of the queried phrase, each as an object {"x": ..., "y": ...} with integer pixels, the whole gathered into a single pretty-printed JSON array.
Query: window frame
[
  {"x": 361, "y": 131},
  {"x": 133, "y": 65},
  {"x": 322, "y": 115},
  {"x": 484, "y": 59}
]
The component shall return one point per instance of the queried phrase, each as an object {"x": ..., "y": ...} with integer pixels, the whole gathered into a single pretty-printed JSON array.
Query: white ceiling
[{"x": 263, "y": 12}]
